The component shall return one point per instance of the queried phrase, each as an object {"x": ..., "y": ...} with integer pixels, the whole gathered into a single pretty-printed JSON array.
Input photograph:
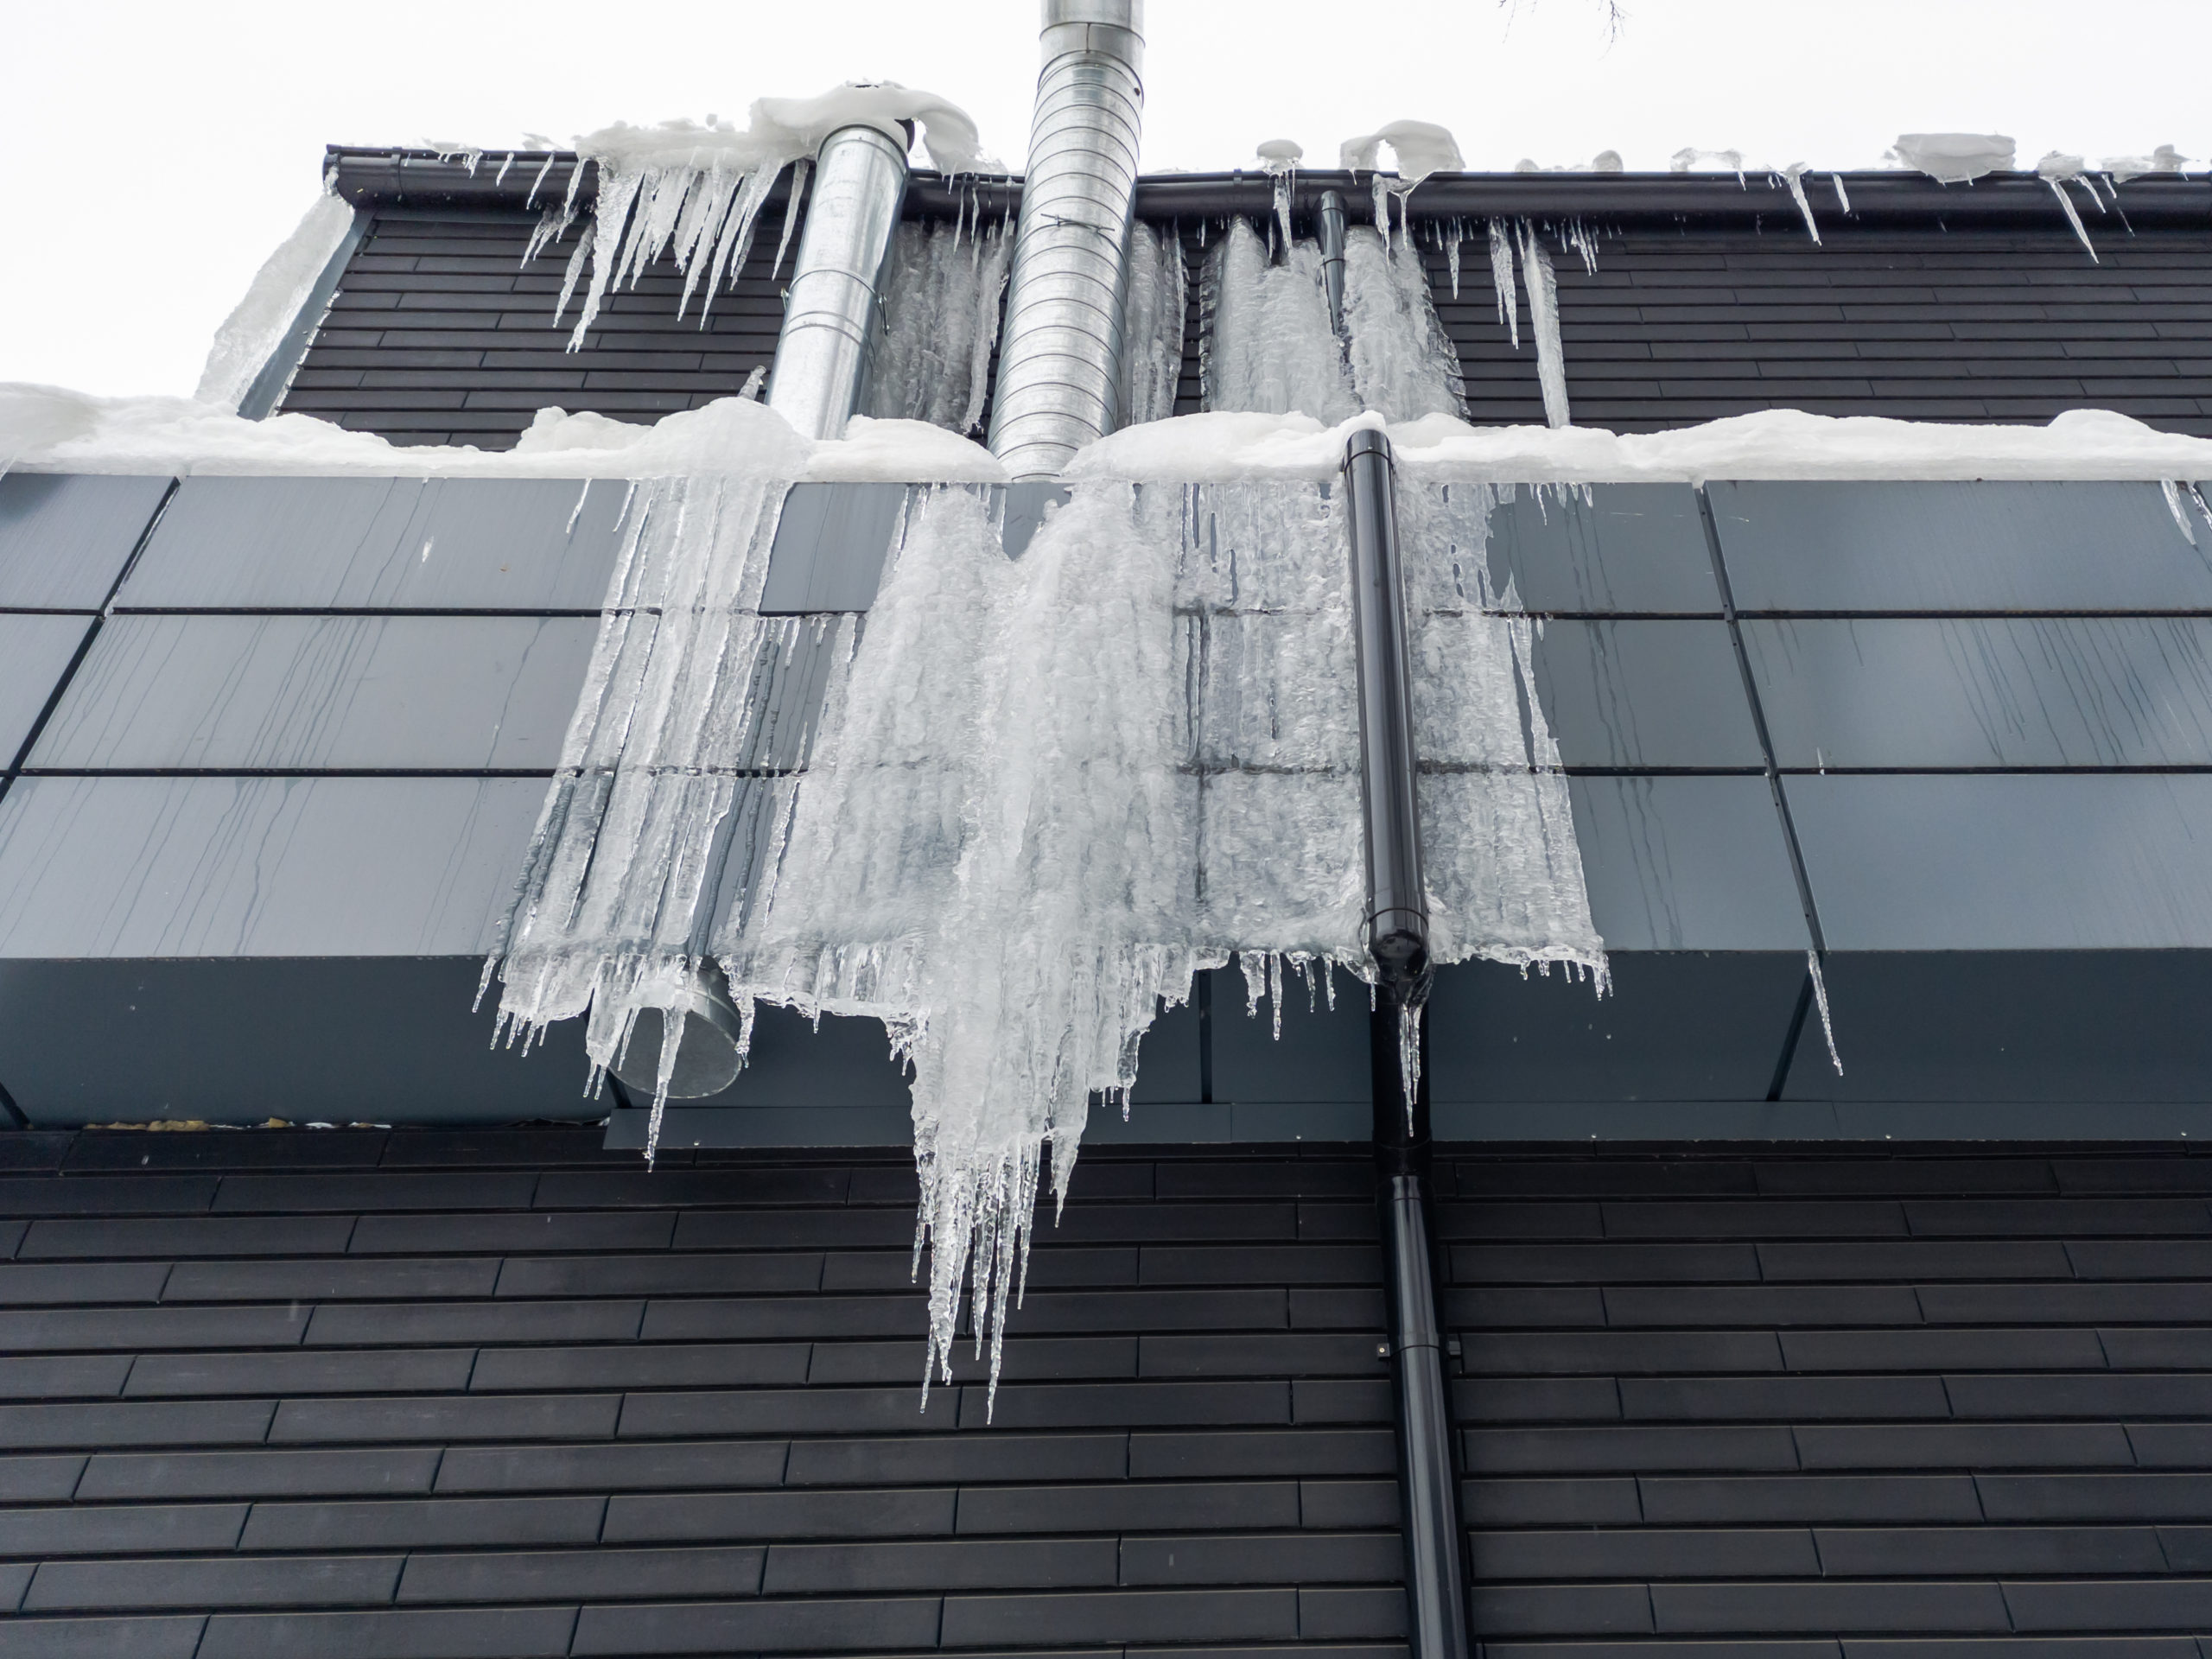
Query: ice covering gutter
[
  {"x": 1060, "y": 351},
  {"x": 418, "y": 178}
]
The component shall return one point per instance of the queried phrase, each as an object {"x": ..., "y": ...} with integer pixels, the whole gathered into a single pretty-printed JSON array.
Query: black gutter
[{"x": 418, "y": 178}]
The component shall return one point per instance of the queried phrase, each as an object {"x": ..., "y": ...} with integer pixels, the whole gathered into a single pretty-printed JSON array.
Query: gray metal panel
[
  {"x": 260, "y": 867},
  {"x": 1645, "y": 694},
  {"x": 1677, "y": 1026},
  {"x": 1630, "y": 547},
  {"x": 1906, "y": 546},
  {"x": 1686, "y": 864},
  {"x": 242, "y": 1041},
  {"x": 34, "y": 652},
  {"x": 1987, "y": 691},
  {"x": 831, "y": 541},
  {"x": 64, "y": 538},
  {"x": 2013, "y": 1026},
  {"x": 796, "y": 1064},
  {"x": 296, "y": 693},
  {"x": 2009, "y": 861},
  {"x": 474, "y": 543},
  {"x": 1321, "y": 1054}
]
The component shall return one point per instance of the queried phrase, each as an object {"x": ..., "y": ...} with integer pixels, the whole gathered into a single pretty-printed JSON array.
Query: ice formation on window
[
  {"x": 1049, "y": 791},
  {"x": 1794, "y": 174},
  {"x": 942, "y": 305},
  {"x": 616, "y": 889},
  {"x": 694, "y": 190}
]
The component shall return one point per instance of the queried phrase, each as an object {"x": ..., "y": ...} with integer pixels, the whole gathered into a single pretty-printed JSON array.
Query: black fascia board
[{"x": 421, "y": 178}]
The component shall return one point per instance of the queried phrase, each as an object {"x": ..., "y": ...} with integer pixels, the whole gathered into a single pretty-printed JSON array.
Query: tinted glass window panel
[
  {"x": 34, "y": 650},
  {"x": 398, "y": 543},
  {"x": 1614, "y": 547},
  {"x": 1985, "y": 691},
  {"x": 1644, "y": 694},
  {"x": 260, "y": 867},
  {"x": 301, "y": 693},
  {"x": 1686, "y": 864},
  {"x": 2009, "y": 861},
  {"x": 65, "y": 538},
  {"x": 1861, "y": 546}
]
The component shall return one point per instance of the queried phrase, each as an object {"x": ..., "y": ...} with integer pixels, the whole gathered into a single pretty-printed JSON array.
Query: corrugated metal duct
[
  {"x": 831, "y": 314},
  {"x": 1060, "y": 354}
]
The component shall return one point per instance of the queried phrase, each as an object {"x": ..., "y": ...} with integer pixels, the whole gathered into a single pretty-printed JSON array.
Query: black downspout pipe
[
  {"x": 1397, "y": 924},
  {"x": 1330, "y": 222}
]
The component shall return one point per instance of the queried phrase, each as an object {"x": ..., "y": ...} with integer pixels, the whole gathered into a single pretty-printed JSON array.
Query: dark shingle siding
[
  {"x": 1741, "y": 1434},
  {"x": 440, "y": 334},
  {"x": 437, "y": 1424},
  {"x": 1680, "y": 326}
]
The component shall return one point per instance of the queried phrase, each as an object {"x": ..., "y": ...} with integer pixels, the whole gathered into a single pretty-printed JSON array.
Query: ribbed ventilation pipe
[
  {"x": 1060, "y": 351},
  {"x": 833, "y": 313}
]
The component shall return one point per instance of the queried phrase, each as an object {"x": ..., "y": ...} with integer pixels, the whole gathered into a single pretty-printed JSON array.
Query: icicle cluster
[
  {"x": 1049, "y": 791},
  {"x": 693, "y": 190},
  {"x": 942, "y": 305},
  {"x": 613, "y": 902},
  {"x": 1269, "y": 347},
  {"x": 1153, "y": 314}
]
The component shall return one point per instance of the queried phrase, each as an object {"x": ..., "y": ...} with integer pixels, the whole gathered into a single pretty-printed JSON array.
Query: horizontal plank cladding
[
  {"x": 440, "y": 333},
  {"x": 1678, "y": 324},
  {"x": 498, "y": 1392},
  {"x": 1844, "y": 1401}
]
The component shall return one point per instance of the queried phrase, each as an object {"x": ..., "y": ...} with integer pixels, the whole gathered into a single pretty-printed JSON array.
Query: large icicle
[
  {"x": 1543, "y": 320},
  {"x": 1152, "y": 317},
  {"x": 942, "y": 307},
  {"x": 1402, "y": 362},
  {"x": 1502, "y": 279}
]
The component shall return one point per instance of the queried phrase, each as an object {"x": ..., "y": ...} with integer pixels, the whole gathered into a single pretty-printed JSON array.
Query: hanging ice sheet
[
  {"x": 1048, "y": 791},
  {"x": 1152, "y": 317},
  {"x": 1268, "y": 347},
  {"x": 942, "y": 307}
]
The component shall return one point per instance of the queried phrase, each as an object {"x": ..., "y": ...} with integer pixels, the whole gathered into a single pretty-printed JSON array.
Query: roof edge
[{"x": 523, "y": 179}]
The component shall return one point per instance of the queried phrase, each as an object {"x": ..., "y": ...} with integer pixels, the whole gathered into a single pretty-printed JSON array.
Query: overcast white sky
[{"x": 156, "y": 152}]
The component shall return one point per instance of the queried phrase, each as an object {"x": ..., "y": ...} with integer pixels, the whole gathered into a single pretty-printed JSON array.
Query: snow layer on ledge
[
  {"x": 252, "y": 334},
  {"x": 2083, "y": 443},
  {"x": 47, "y": 430}
]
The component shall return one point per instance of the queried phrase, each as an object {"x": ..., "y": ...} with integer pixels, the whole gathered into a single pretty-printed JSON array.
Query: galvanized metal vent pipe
[
  {"x": 832, "y": 314},
  {"x": 1060, "y": 351},
  {"x": 1397, "y": 924}
]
